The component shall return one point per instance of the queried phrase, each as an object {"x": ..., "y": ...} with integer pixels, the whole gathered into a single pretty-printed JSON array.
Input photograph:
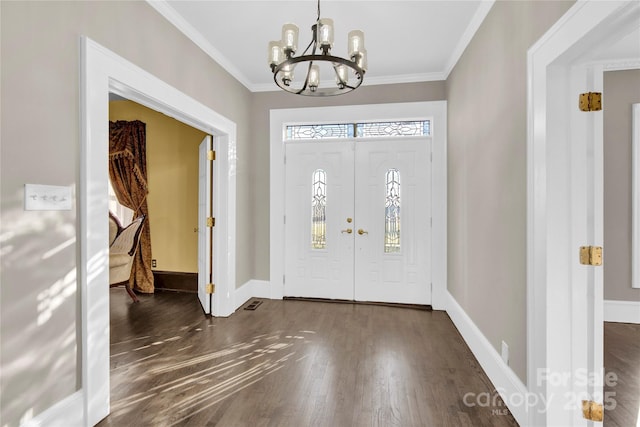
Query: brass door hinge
[
  {"x": 211, "y": 288},
  {"x": 591, "y": 410},
  {"x": 211, "y": 222},
  {"x": 211, "y": 155},
  {"x": 590, "y": 101},
  {"x": 591, "y": 255}
]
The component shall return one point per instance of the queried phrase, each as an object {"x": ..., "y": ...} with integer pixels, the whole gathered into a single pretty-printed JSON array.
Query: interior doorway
[
  {"x": 102, "y": 72},
  {"x": 565, "y": 212},
  {"x": 172, "y": 165}
]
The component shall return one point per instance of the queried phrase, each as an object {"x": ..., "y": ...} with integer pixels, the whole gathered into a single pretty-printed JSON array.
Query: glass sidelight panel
[
  {"x": 318, "y": 210},
  {"x": 392, "y": 212}
]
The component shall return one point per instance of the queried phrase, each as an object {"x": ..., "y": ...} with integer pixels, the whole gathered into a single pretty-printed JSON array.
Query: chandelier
[{"x": 319, "y": 63}]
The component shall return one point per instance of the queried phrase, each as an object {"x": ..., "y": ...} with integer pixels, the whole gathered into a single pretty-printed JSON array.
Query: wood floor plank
[
  {"x": 622, "y": 358},
  {"x": 291, "y": 363}
]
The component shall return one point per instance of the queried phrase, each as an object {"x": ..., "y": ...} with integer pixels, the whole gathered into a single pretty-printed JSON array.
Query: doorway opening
[
  {"x": 104, "y": 72},
  {"x": 564, "y": 155},
  {"x": 172, "y": 176}
]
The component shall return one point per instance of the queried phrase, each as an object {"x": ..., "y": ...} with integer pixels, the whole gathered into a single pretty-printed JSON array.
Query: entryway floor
[{"x": 292, "y": 363}]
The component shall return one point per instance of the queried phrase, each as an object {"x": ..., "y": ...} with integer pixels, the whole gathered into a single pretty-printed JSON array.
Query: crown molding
[
  {"x": 170, "y": 14},
  {"x": 467, "y": 36},
  {"x": 622, "y": 64},
  {"x": 369, "y": 81}
]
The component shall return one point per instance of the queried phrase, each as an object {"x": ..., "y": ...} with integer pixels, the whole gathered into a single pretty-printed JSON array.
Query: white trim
[
  {"x": 505, "y": 381},
  {"x": 102, "y": 71},
  {"x": 635, "y": 196},
  {"x": 170, "y": 14},
  {"x": 437, "y": 110},
  {"x": 251, "y": 289},
  {"x": 67, "y": 412},
  {"x": 622, "y": 311},
  {"x": 478, "y": 18},
  {"x": 622, "y": 64},
  {"x": 553, "y": 293},
  {"x": 372, "y": 81}
]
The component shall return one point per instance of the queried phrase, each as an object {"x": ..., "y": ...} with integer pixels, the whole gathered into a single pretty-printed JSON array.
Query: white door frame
[
  {"x": 102, "y": 71},
  {"x": 551, "y": 208},
  {"x": 435, "y": 110}
]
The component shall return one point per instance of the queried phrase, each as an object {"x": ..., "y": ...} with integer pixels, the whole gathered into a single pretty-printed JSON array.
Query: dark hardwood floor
[
  {"x": 622, "y": 358},
  {"x": 292, "y": 363}
]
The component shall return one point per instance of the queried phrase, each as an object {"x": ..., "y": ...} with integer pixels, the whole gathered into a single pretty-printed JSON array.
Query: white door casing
[
  {"x": 205, "y": 267},
  {"x": 635, "y": 198},
  {"x": 564, "y": 309},
  {"x": 102, "y": 71},
  {"x": 434, "y": 110}
]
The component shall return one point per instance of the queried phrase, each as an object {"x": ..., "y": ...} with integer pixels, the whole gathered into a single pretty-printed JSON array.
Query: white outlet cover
[
  {"x": 505, "y": 352},
  {"x": 39, "y": 197}
]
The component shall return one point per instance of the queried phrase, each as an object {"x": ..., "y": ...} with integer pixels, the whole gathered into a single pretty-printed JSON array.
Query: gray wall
[
  {"x": 40, "y": 144},
  {"x": 486, "y": 94},
  {"x": 263, "y": 102},
  {"x": 621, "y": 89}
]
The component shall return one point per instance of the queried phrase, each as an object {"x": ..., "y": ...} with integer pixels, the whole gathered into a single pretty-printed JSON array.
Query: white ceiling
[{"x": 406, "y": 40}]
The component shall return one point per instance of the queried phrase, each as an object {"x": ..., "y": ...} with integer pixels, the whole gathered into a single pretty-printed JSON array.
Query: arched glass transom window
[
  {"x": 319, "y": 210},
  {"x": 392, "y": 212}
]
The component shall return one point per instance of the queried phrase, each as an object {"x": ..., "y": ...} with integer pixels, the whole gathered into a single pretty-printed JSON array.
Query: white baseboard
[
  {"x": 252, "y": 289},
  {"x": 503, "y": 378},
  {"x": 622, "y": 311},
  {"x": 66, "y": 413}
]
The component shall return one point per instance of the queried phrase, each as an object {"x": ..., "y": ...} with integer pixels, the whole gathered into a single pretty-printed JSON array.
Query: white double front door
[{"x": 358, "y": 220}]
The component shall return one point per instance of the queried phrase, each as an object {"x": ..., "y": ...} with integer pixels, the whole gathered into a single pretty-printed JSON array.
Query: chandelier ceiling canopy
[{"x": 316, "y": 72}]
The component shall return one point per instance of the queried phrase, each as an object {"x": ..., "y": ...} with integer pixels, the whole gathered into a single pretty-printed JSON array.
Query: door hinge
[
  {"x": 591, "y": 255},
  {"x": 211, "y": 155},
  {"x": 283, "y": 279},
  {"x": 592, "y": 410},
  {"x": 211, "y": 222},
  {"x": 211, "y": 288},
  {"x": 590, "y": 101},
  {"x": 285, "y": 219}
]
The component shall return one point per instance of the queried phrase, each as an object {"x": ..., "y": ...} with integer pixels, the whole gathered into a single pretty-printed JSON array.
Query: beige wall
[
  {"x": 486, "y": 94},
  {"x": 621, "y": 89},
  {"x": 263, "y": 102},
  {"x": 40, "y": 142},
  {"x": 172, "y": 174}
]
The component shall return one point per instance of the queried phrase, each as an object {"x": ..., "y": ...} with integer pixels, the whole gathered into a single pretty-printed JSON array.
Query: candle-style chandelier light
[{"x": 306, "y": 74}]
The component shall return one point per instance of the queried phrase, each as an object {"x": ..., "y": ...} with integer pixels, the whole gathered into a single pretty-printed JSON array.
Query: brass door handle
[
  {"x": 361, "y": 232},
  {"x": 348, "y": 231}
]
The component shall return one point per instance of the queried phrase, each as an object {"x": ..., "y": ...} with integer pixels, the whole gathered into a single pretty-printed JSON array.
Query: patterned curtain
[{"x": 128, "y": 174}]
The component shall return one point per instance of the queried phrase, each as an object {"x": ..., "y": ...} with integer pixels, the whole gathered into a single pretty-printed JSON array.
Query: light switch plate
[{"x": 47, "y": 197}]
